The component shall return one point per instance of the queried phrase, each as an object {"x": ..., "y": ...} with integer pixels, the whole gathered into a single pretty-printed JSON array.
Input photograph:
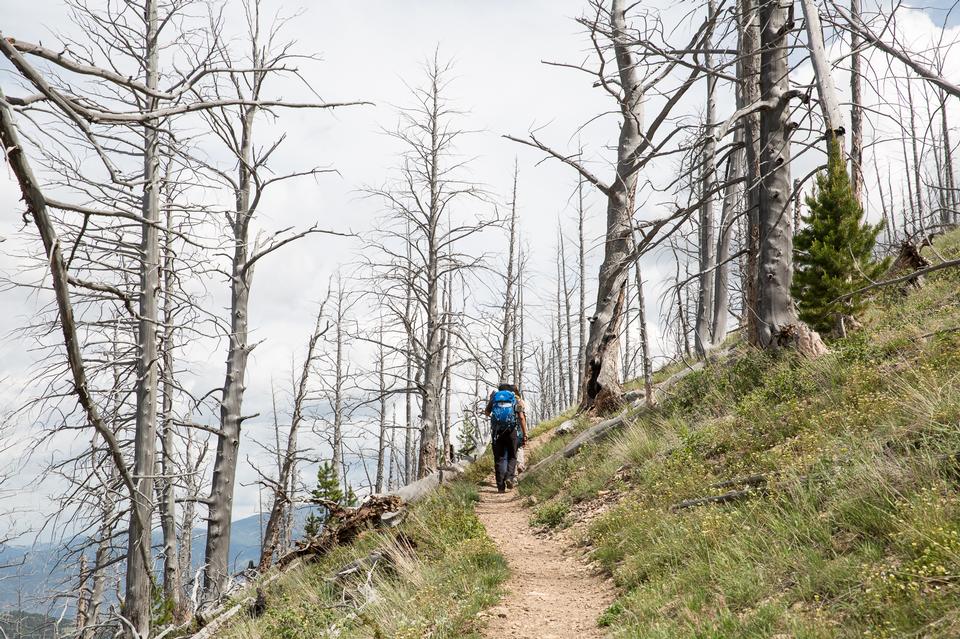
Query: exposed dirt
[{"x": 552, "y": 592}]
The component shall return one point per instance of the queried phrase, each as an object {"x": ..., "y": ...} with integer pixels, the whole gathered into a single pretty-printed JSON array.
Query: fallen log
[
  {"x": 415, "y": 491},
  {"x": 215, "y": 624},
  {"x": 591, "y": 435},
  {"x": 594, "y": 434},
  {"x": 725, "y": 498},
  {"x": 747, "y": 480},
  {"x": 347, "y": 524}
]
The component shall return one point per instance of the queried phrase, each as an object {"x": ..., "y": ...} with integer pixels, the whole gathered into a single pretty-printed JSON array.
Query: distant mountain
[
  {"x": 26, "y": 625},
  {"x": 36, "y": 571}
]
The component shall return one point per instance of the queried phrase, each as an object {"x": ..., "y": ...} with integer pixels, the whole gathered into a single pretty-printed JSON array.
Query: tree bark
[
  {"x": 582, "y": 288},
  {"x": 856, "y": 110},
  {"x": 749, "y": 93},
  {"x": 220, "y": 504},
  {"x": 703, "y": 331},
  {"x": 568, "y": 324},
  {"x": 282, "y": 499},
  {"x": 951, "y": 215},
  {"x": 823, "y": 74},
  {"x": 139, "y": 576},
  {"x": 508, "y": 302},
  {"x": 172, "y": 583},
  {"x": 602, "y": 390},
  {"x": 721, "y": 299},
  {"x": 382, "y": 412},
  {"x": 778, "y": 322}
]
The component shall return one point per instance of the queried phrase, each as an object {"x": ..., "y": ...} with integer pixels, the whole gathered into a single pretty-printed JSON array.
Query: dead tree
[
  {"x": 703, "y": 331},
  {"x": 778, "y": 324},
  {"x": 283, "y": 499},
  {"x": 509, "y": 306},
  {"x": 419, "y": 243},
  {"x": 638, "y": 145},
  {"x": 235, "y": 128}
]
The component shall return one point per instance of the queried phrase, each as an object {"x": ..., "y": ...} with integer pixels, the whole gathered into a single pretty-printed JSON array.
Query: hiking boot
[
  {"x": 510, "y": 484},
  {"x": 501, "y": 489}
]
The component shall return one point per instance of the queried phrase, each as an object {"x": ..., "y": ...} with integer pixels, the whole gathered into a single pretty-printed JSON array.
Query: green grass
[
  {"x": 444, "y": 571},
  {"x": 859, "y": 534}
]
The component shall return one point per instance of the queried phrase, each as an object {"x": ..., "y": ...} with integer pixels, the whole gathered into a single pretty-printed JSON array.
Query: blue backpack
[{"x": 503, "y": 417}]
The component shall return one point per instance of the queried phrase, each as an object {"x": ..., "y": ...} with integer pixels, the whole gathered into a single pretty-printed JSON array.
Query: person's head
[{"x": 507, "y": 386}]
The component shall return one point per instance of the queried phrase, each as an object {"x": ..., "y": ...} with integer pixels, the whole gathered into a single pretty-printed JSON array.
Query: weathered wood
[
  {"x": 594, "y": 434},
  {"x": 747, "y": 480},
  {"x": 347, "y": 525},
  {"x": 566, "y": 427},
  {"x": 725, "y": 498},
  {"x": 823, "y": 74}
]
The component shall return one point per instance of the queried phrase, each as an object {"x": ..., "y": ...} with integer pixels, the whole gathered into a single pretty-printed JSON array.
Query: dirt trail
[{"x": 551, "y": 594}]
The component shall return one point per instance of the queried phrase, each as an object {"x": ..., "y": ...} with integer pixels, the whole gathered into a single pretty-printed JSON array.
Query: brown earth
[{"x": 552, "y": 593}]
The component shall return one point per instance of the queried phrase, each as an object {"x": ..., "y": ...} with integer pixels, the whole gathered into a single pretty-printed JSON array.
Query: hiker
[{"x": 508, "y": 425}]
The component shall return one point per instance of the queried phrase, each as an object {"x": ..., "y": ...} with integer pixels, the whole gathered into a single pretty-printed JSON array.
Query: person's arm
[
  {"x": 523, "y": 422},
  {"x": 489, "y": 408}
]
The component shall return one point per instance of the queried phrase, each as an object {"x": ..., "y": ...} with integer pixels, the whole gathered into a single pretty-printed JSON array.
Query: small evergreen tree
[
  {"x": 328, "y": 489},
  {"x": 469, "y": 435},
  {"x": 328, "y": 484},
  {"x": 833, "y": 253}
]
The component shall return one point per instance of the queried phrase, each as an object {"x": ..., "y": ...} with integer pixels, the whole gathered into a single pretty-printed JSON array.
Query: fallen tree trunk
[
  {"x": 591, "y": 435},
  {"x": 733, "y": 495},
  {"x": 350, "y": 522},
  {"x": 747, "y": 480}
]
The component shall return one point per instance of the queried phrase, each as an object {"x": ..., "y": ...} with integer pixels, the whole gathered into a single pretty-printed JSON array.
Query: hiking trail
[{"x": 551, "y": 593}]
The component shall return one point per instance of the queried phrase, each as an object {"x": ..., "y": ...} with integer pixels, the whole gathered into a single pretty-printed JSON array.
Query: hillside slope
[
  {"x": 832, "y": 505},
  {"x": 767, "y": 496}
]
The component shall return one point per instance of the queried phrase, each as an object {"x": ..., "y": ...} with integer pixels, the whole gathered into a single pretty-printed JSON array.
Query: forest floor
[{"x": 551, "y": 593}]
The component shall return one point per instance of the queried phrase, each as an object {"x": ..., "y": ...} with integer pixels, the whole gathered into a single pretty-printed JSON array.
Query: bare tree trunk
[
  {"x": 520, "y": 345},
  {"x": 508, "y": 301},
  {"x": 644, "y": 340},
  {"x": 856, "y": 110},
  {"x": 445, "y": 455},
  {"x": 220, "y": 505},
  {"x": 708, "y": 258},
  {"x": 571, "y": 364},
  {"x": 918, "y": 190},
  {"x": 749, "y": 93},
  {"x": 721, "y": 300},
  {"x": 949, "y": 216},
  {"x": 339, "y": 379},
  {"x": 408, "y": 464},
  {"x": 778, "y": 322},
  {"x": 627, "y": 354},
  {"x": 823, "y": 74},
  {"x": 602, "y": 390},
  {"x": 382, "y": 412},
  {"x": 582, "y": 288},
  {"x": 282, "y": 498},
  {"x": 172, "y": 586},
  {"x": 561, "y": 359},
  {"x": 139, "y": 576},
  {"x": 192, "y": 467}
]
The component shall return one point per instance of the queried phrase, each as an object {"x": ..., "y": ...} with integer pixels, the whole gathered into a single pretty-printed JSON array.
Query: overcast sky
[{"x": 371, "y": 51}]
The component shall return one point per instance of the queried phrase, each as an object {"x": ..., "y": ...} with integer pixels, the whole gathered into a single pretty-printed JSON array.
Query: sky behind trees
[{"x": 374, "y": 51}]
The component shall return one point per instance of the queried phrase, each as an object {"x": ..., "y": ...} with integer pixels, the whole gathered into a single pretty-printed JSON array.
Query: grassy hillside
[
  {"x": 852, "y": 528},
  {"x": 843, "y": 517},
  {"x": 442, "y": 570}
]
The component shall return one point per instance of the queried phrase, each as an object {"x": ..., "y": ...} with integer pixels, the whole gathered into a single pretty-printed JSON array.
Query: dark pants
[{"x": 505, "y": 456}]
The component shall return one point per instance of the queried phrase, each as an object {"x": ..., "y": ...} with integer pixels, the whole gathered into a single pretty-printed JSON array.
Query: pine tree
[
  {"x": 469, "y": 436},
  {"x": 328, "y": 484},
  {"x": 834, "y": 251},
  {"x": 328, "y": 489}
]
